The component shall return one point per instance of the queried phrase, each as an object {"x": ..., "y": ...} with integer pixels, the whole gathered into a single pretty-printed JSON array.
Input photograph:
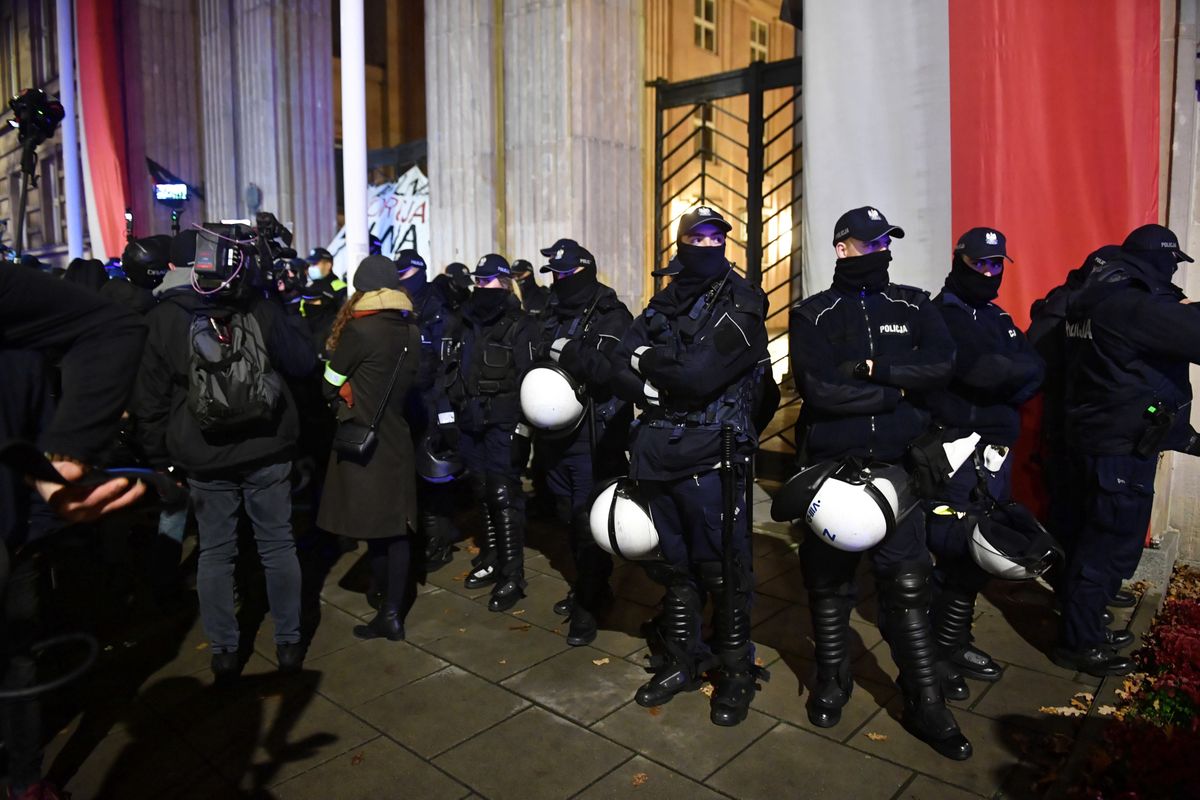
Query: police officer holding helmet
[
  {"x": 693, "y": 361},
  {"x": 436, "y": 325},
  {"x": 582, "y": 323},
  {"x": 996, "y": 370},
  {"x": 482, "y": 381},
  {"x": 863, "y": 351},
  {"x": 1131, "y": 334}
]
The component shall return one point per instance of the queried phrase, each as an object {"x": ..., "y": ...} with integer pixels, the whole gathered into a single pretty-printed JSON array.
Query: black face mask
[
  {"x": 1163, "y": 261},
  {"x": 487, "y": 303},
  {"x": 701, "y": 266},
  {"x": 574, "y": 290},
  {"x": 865, "y": 273},
  {"x": 415, "y": 284},
  {"x": 973, "y": 288}
]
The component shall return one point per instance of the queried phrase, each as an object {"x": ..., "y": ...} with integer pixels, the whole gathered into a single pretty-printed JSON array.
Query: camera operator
[{"x": 234, "y": 440}]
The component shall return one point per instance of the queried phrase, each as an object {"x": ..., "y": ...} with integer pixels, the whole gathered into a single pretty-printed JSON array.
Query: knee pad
[{"x": 908, "y": 586}]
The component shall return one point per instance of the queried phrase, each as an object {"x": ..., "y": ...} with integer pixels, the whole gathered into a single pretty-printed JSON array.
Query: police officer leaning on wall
[
  {"x": 995, "y": 371},
  {"x": 693, "y": 361},
  {"x": 582, "y": 323},
  {"x": 1131, "y": 334},
  {"x": 862, "y": 352},
  {"x": 482, "y": 381}
]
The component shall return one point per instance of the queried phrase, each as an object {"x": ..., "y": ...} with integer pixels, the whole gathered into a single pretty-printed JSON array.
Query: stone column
[
  {"x": 573, "y": 133},
  {"x": 461, "y": 88},
  {"x": 267, "y": 78}
]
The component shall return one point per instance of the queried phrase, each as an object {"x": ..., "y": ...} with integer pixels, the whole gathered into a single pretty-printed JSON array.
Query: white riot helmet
[
  {"x": 1011, "y": 544},
  {"x": 850, "y": 506},
  {"x": 550, "y": 399},
  {"x": 620, "y": 524}
]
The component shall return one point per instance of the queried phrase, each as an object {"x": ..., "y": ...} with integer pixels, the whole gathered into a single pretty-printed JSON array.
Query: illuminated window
[
  {"x": 702, "y": 118},
  {"x": 705, "y": 24},
  {"x": 759, "y": 40}
]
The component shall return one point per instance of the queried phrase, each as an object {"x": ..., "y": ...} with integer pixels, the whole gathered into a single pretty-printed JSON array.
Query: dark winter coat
[
  {"x": 375, "y": 498},
  {"x": 901, "y": 331},
  {"x": 167, "y": 431}
]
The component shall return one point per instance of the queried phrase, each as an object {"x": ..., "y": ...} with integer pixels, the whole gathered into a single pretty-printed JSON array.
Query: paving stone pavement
[{"x": 476, "y": 704}]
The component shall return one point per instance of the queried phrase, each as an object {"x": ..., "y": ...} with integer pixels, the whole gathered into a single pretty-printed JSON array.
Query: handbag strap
[{"x": 391, "y": 384}]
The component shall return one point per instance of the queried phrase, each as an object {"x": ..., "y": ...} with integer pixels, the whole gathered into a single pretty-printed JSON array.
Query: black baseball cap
[
  {"x": 1153, "y": 238},
  {"x": 865, "y": 224},
  {"x": 521, "y": 266},
  {"x": 701, "y": 215},
  {"x": 980, "y": 243},
  {"x": 407, "y": 259},
  {"x": 560, "y": 244},
  {"x": 318, "y": 254},
  {"x": 566, "y": 259},
  {"x": 491, "y": 266}
]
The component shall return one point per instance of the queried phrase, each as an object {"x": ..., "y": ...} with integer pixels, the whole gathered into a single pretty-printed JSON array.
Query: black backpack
[{"x": 231, "y": 383}]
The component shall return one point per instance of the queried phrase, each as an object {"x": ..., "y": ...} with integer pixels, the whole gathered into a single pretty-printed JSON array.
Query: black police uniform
[
  {"x": 582, "y": 323},
  {"x": 847, "y": 413},
  {"x": 996, "y": 370},
  {"x": 482, "y": 382},
  {"x": 453, "y": 286},
  {"x": 436, "y": 324},
  {"x": 693, "y": 360},
  {"x": 321, "y": 300},
  {"x": 1130, "y": 340}
]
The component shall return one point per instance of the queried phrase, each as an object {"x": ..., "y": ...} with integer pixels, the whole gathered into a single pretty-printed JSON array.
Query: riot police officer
[
  {"x": 693, "y": 361},
  {"x": 863, "y": 351},
  {"x": 436, "y": 325},
  {"x": 533, "y": 296},
  {"x": 482, "y": 392},
  {"x": 322, "y": 298},
  {"x": 996, "y": 370},
  {"x": 582, "y": 323},
  {"x": 1131, "y": 334}
]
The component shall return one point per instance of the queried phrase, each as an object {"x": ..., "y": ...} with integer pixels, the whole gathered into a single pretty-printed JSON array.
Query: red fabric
[
  {"x": 100, "y": 102},
  {"x": 1054, "y": 113}
]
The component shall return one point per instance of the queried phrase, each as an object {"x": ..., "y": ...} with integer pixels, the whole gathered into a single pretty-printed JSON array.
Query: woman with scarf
[
  {"x": 375, "y": 349},
  {"x": 480, "y": 411},
  {"x": 694, "y": 360},
  {"x": 864, "y": 354}
]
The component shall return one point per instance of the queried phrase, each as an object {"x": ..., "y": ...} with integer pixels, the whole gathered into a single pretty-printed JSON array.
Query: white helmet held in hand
[
  {"x": 850, "y": 506},
  {"x": 550, "y": 399},
  {"x": 620, "y": 524},
  {"x": 1011, "y": 544}
]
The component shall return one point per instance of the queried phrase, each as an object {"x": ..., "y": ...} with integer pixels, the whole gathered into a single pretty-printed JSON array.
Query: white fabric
[{"x": 877, "y": 130}]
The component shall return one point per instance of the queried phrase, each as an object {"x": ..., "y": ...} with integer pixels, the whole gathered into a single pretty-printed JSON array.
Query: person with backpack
[
  {"x": 482, "y": 382},
  {"x": 210, "y": 399},
  {"x": 375, "y": 353}
]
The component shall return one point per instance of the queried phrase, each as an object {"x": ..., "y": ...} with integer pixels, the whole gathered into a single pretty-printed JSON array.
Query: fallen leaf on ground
[
  {"x": 640, "y": 778},
  {"x": 462, "y": 630},
  {"x": 707, "y": 689},
  {"x": 472, "y": 549},
  {"x": 1063, "y": 711},
  {"x": 758, "y": 662},
  {"x": 201, "y": 646},
  {"x": 599, "y": 662},
  {"x": 520, "y": 627},
  {"x": 876, "y": 737},
  {"x": 1106, "y": 711},
  {"x": 1082, "y": 701},
  {"x": 518, "y": 612},
  {"x": 503, "y": 661},
  {"x": 356, "y": 759},
  {"x": 462, "y": 577},
  {"x": 654, "y": 710}
]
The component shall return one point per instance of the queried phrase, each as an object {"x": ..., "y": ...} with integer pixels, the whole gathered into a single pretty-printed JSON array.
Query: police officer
[
  {"x": 533, "y": 297},
  {"x": 482, "y": 381},
  {"x": 323, "y": 297},
  {"x": 436, "y": 325},
  {"x": 454, "y": 285},
  {"x": 582, "y": 323},
  {"x": 863, "y": 352},
  {"x": 693, "y": 361},
  {"x": 1131, "y": 334},
  {"x": 996, "y": 370}
]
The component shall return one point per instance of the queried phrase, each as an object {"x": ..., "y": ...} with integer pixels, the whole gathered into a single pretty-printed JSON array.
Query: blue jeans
[{"x": 266, "y": 493}]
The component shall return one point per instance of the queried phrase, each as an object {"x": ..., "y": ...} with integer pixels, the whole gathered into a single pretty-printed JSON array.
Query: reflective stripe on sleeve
[{"x": 335, "y": 378}]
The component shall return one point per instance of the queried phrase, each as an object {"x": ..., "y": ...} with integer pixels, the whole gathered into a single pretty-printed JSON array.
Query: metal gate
[{"x": 732, "y": 141}]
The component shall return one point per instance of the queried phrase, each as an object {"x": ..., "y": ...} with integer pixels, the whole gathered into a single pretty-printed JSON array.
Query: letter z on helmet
[
  {"x": 550, "y": 399},
  {"x": 850, "y": 506},
  {"x": 621, "y": 524}
]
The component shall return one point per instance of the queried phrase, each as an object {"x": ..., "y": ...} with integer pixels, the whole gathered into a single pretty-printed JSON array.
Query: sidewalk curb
[{"x": 1155, "y": 568}]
